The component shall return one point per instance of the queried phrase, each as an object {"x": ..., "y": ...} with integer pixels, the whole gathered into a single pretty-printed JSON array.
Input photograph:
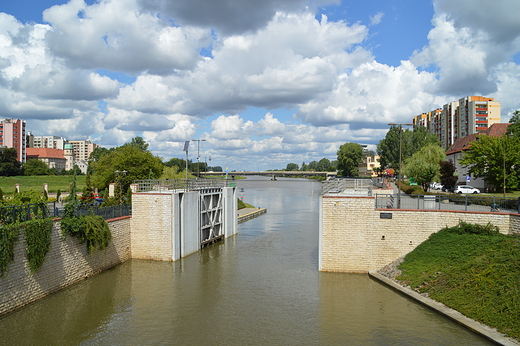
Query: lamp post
[
  {"x": 123, "y": 174},
  {"x": 198, "y": 154},
  {"x": 504, "y": 139},
  {"x": 206, "y": 168},
  {"x": 399, "y": 177}
]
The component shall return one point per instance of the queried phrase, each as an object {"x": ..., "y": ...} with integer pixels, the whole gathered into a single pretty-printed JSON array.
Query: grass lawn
[
  {"x": 470, "y": 269},
  {"x": 27, "y": 183}
]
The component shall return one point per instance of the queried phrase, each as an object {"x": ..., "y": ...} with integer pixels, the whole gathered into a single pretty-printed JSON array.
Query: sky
[{"x": 261, "y": 83}]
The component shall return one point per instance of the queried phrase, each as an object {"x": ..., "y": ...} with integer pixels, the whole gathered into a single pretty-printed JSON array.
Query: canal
[{"x": 260, "y": 287}]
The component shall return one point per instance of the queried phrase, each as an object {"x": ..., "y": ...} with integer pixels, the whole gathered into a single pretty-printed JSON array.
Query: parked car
[
  {"x": 466, "y": 189},
  {"x": 437, "y": 186}
]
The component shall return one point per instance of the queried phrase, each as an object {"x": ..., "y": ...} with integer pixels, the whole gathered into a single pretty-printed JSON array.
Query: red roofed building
[
  {"x": 456, "y": 151},
  {"x": 53, "y": 158}
]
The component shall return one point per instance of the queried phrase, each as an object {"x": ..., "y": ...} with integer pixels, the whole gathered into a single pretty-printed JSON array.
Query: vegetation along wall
[{"x": 66, "y": 263}]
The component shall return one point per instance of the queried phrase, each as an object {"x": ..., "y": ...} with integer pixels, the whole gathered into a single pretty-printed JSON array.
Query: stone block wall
[
  {"x": 152, "y": 224},
  {"x": 355, "y": 237},
  {"x": 66, "y": 263}
]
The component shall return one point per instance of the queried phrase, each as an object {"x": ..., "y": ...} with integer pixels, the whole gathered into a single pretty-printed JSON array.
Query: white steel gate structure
[{"x": 211, "y": 216}]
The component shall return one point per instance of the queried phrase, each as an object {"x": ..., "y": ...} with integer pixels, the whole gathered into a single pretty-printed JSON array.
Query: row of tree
[{"x": 323, "y": 165}]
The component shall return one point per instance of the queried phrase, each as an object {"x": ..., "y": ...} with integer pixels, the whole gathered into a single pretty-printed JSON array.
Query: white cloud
[
  {"x": 377, "y": 18},
  {"x": 118, "y": 36}
]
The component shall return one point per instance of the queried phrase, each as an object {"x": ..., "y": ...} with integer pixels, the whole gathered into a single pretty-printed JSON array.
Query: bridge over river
[{"x": 273, "y": 173}]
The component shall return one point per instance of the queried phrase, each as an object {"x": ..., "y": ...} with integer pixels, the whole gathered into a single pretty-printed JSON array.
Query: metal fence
[
  {"x": 347, "y": 186},
  {"x": 164, "y": 185},
  {"x": 21, "y": 213},
  {"x": 450, "y": 202}
]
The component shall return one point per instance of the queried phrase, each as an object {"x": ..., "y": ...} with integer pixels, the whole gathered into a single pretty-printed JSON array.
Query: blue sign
[{"x": 468, "y": 177}]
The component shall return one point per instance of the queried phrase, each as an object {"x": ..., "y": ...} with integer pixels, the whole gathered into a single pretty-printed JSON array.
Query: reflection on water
[{"x": 261, "y": 287}]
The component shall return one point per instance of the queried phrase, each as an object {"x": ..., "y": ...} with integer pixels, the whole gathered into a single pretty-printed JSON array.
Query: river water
[{"x": 260, "y": 287}]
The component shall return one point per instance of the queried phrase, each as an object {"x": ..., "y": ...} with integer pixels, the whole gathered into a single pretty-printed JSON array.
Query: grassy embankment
[
  {"x": 472, "y": 269},
  {"x": 27, "y": 183}
]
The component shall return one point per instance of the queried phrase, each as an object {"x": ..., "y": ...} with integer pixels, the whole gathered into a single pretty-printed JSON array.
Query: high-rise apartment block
[
  {"x": 12, "y": 135},
  {"x": 458, "y": 119},
  {"x": 82, "y": 149}
]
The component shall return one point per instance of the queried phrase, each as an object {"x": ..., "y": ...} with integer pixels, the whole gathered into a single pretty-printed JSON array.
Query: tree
[
  {"x": 410, "y": 143},
  {"x": 36, "y": 167},
  {"x": 324, "y": 165},
  {"x": 447, "y": 172},
  {"x": 139, "y": 143},
  {"x": 291, "y": 167},
  {"x": 134, "y": 161},
  {"x": 424, "y": 165},
  {"x": 514, "y": 128},
  {"x": 489, "y": 155},
  {"x": 349, "y": 157},
  {"x": 9, "y": 164}
]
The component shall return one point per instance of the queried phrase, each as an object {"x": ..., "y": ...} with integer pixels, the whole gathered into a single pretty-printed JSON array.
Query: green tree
[
  {"x": 304, "y": 167},
  {"x": 36, "y": 167},
  {"x": 9, "y": 164},
  {"x": 139, "y": 143},
  {"x": 514, "y": 128},
  {"x": 447, "y": 172},
  {"x": 494, "y": 159},
  {"x": 134, "y": 161},
  {"x": 411, "y": 142},
  {"x": 349, "y": 157},
  {"x": 313, "y": 166},
  {"x": 292, "y": 167},
  {"x": 424, "y": 165},
  {"x": 324, "y": 165}
]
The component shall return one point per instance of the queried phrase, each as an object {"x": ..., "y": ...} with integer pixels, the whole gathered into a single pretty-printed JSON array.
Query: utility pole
[
  {"x": 198, "y": 154},
  {"x": 400, "y": 176}
]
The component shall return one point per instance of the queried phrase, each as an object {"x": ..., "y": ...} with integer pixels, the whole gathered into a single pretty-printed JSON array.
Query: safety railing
[
  {"x": 449, "y": 202},
  {"x": 164, "y": 185},
  {"x": 347, "y": 186}
]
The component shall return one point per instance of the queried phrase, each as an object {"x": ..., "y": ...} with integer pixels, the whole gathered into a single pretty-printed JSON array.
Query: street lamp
[
  {"x": 399, "y": 177},
  {"x": 504, "y": 139},
  {"x": 198, "y": 154},
  {"x": 206, "y": 168},
  {"x": 123, "y": 174}
]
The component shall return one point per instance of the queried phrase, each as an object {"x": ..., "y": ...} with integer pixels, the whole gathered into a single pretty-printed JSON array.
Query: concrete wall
[
  {"x": 355, "y": 238},
  {"x": 66, "y": 263}
]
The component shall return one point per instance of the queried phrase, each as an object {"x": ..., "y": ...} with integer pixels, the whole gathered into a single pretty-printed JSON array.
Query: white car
[
  {"x": 437, "y": 186},
  {"x": 466, "y": 189}
]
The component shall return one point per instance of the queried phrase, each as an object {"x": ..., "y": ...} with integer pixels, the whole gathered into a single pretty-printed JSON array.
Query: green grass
[
  {"x": 28, "y": 183},
  {"x": 476, "y": 274}
]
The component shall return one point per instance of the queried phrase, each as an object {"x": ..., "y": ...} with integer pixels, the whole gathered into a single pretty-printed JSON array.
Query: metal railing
[
  {"x": 164, "y": 185},
  {"x": 450, "y": 202},
  {"x": 21, "y": 213},
  {"x": 347, "y": 186}
]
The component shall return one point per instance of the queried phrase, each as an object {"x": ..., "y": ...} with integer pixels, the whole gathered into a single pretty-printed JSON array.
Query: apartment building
[
  {"x": 82, "y": 149},
  {"x": 458, "y": 119},
  {"x": 12, "y": 135},
  {"x": 53, "y": 142}
]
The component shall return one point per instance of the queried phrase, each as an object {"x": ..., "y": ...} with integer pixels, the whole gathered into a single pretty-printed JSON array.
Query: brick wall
[
  {"x": 151, "y": 224},
  {"x": 354, "y": 237},
  {"x": 66, "y": 263}
]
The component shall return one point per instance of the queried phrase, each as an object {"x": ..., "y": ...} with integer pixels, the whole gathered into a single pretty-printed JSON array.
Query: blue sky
[{"x": 265, "y": 82}]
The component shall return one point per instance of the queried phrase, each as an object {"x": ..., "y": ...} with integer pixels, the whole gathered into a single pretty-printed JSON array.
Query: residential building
[
  {"x": 458, "y": 119},
  {"x": 53, "y": 142},
  {"x": 12, "y": 135},
  {"x": 370, "y": 166},
  {"x": 82, "y": 149},
  {"x": 53, "y": 158},
  {"x": 456, "y": 151}
]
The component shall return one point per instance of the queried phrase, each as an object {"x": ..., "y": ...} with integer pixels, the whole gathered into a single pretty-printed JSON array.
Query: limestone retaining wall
[
  {"x": 66, "y": 263},
  {"x": 355, "y": 237}
]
